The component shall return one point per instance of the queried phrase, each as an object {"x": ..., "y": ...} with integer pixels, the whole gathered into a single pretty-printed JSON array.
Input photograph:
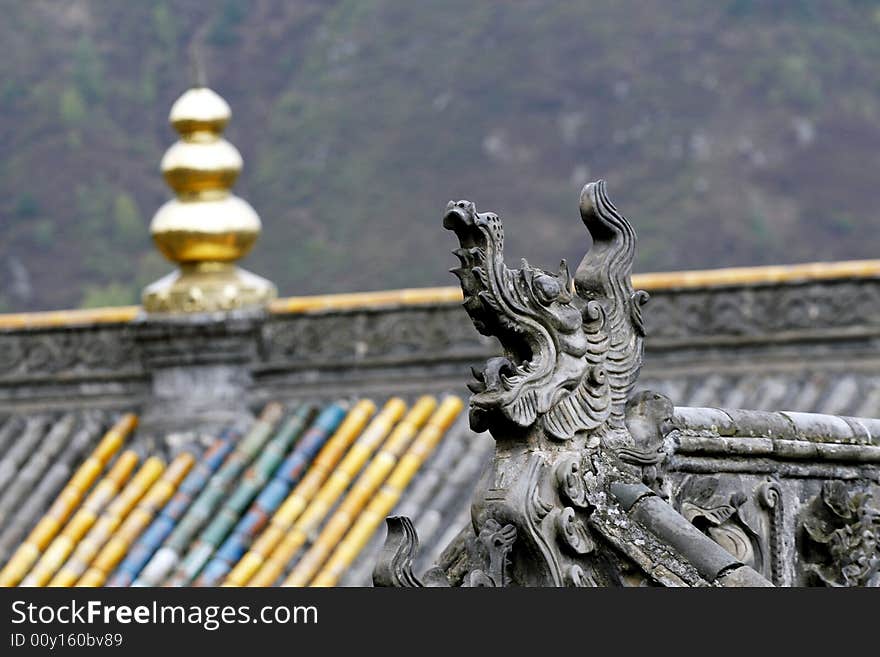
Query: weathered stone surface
[
  {"x": 842, "y": 537},
  {"x": 566, "y": 503},
  {"x": 594, "y": 486},
  {"x": 742, "y": 577},
  {"x": 709, "y": 558}
]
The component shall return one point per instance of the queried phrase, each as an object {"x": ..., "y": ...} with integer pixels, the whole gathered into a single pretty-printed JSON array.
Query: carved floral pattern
[
  {"x": 744, "y": 518},
  {"x": 433, "y": 333},
  {"x": 761, "y": 310},
  {"x": 573, "y": 532},
  {"x": 54, "y": 352},
  {"x": 844, "y": 529}
]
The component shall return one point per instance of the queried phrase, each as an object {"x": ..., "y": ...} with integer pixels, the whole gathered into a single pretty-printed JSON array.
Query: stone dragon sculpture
[
  {"x": 574, "y": 451},
  {"x": 573, "y": 346}
]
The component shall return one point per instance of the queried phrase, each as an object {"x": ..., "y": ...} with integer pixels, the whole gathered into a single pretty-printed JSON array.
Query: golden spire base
[{"x": 207, "y": 287}]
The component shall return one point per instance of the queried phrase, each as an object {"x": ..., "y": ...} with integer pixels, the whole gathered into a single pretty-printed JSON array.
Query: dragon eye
[{"x": 547, "y": 288}]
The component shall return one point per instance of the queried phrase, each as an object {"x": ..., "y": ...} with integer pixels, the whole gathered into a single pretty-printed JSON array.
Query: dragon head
[{"x": 553, "y": 341}]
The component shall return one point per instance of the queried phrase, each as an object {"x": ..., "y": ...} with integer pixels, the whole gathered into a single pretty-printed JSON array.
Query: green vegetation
[
  {"x": 731, "y": 133},
  {"x": 26, "y": 206},
  {"x": 72, "y": 107},
  {"x": 88, "y": 71},
  {"x": 112, "y": 294},
  {"x": 128, "y": 226},
  {"x": 224, "y": 27}
]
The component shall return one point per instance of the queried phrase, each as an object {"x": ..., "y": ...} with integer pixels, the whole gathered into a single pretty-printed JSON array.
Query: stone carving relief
[
  {"x": 496, "y": 541},
  {"x": 744, "y": 519},
  {"x": 749, "y": 311},
  {"x": 842, "y": 537},
  {"x": 396, "y": 561},
  {"x": 534, "y": 535},
  {"x": 62, "y": 351},
  {"x": 345, "y": 337},
  {"x": 649, "y": 420}
]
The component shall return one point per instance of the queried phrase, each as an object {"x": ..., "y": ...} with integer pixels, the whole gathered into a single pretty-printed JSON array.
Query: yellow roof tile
[{"x": 813, "y": 271}]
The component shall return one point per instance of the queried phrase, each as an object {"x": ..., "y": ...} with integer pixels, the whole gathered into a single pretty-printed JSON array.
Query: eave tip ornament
[{"x": 206, "y": 228}]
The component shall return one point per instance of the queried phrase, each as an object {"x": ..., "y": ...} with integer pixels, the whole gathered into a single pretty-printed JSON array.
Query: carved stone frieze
[
  {"x": 59, "y": 352},
  {"x": 198, "y": 340},
  {"x": 842, "y": 537},
  {"x": 765, "y": 310},
  {"x": 350, "y": 338},
  {"x": 417, "y": 336},
  {"x": 743, "y": 518}
]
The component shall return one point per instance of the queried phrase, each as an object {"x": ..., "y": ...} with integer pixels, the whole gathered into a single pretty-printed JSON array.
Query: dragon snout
[{"x": 459, "y": 215}]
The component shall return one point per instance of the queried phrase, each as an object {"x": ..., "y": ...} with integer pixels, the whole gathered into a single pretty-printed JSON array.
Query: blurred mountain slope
[{"x": 733, "y": 132}]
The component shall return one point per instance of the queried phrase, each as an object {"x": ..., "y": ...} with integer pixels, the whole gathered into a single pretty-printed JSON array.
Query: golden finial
[{"x": 205, "y": 229}]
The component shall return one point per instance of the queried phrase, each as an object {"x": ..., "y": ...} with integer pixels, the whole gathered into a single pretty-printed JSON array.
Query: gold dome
[
  {"x": 205, "y": 228},
  {"x": 222, "y": 229},
  {"x": 199, "y": 109},
  {"x": 191, "y": 167}
]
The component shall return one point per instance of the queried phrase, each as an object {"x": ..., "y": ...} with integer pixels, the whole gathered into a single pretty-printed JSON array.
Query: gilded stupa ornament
[{"x": 206, "y": 228}]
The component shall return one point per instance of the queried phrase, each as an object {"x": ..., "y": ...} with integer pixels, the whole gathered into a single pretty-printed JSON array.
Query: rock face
[{"x": 593, "y": 486}]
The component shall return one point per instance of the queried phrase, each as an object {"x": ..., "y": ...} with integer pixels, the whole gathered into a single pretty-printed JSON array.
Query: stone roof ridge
[
  {"x": 651, "y": 281},
  {"x": 816, "y": 428},
  {"x": 679, "y": 547}
]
